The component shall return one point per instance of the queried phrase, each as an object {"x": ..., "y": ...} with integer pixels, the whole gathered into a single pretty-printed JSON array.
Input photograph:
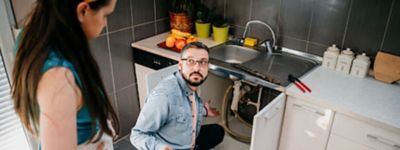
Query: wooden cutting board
[{"x": 387, "y": 67}]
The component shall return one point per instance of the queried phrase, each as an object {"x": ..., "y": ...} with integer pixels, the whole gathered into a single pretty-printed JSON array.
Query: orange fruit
[
  {"x": 179, "y": 44},
  {"x": 170, "y": 42}
]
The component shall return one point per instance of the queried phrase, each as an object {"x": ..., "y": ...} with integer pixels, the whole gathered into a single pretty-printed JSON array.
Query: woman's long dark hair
[{"x": 54, "y": 25}]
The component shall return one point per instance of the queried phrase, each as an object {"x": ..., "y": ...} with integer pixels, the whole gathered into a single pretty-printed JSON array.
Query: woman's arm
[{"x": 59, "y": 99}]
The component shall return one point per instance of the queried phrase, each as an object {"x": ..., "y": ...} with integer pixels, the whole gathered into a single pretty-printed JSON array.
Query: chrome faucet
[{"x": 266, "y": 43}]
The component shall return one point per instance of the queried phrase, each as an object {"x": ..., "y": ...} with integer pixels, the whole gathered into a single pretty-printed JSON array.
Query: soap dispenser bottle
[
  {"x": 360, "y": 66},
  {"x": 330, "y": 57},
  {"x": 344, "y": 61}
]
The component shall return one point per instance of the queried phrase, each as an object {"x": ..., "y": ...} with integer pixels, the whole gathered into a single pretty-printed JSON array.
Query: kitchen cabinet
[
  {"x": 154, "y": 78},
  {"x": 141, "y": 72},
  {"x": 351, "y": 134},
  {"x": 366, "y": 111},
  {"x": 306, "y": 126},
  {"x": 147, "y": 63},
  {"x": 213, "y": 89},
  {"x": 311, "y": 121},
  {"x": 267, "y": 125},
  {"x": 341, "y": 143}
]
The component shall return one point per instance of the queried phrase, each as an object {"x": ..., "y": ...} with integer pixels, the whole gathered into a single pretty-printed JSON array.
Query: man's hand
[
  {"x": 211, "y": 112},
  {"x": 100, "y": 146},
  {"x": 168, "y": 148}
]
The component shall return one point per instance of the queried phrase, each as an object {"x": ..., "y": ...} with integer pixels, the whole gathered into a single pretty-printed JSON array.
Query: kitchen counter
[
  {"x": 150, "y": 45},
  {"x": 363, "y": 98}
]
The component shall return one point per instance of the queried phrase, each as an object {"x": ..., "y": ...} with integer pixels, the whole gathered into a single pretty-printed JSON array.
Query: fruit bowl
[
  {"x": 177, "y": 40},
  {"x": 164, "y": 45}
]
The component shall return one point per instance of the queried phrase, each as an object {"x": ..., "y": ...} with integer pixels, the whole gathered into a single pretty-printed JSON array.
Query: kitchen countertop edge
[{"x": 326, "y": 95}]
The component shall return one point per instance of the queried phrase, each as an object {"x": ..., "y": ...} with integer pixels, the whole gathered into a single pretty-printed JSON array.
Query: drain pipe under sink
[{"x": 236, "y": 95}]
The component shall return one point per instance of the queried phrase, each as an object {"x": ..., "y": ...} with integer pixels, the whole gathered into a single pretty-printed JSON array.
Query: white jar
[
  {"x": 330, "y": 57},
  {"x": 344, "y": 61},
  {"x": 360, "y": 66}
]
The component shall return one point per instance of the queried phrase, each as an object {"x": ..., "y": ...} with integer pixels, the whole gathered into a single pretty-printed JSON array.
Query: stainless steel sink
[
  {"x": 256, "y": 65},
  {"x": 277, "y": 66},
  {"x": 233, "y": 54}
]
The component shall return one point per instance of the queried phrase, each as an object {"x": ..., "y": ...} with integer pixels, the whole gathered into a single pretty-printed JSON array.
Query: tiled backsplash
[{"x": 313, "y": 25}]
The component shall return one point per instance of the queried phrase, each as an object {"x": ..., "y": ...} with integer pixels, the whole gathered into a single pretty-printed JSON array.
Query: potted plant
[
  {"x": 203, "y": 22},
  {"x": 181, "y": 14},
  {"x": 220, "y": 29}
]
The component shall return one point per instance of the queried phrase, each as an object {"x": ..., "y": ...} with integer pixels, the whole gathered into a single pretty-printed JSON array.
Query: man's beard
[{"x": 195, "y": 84}]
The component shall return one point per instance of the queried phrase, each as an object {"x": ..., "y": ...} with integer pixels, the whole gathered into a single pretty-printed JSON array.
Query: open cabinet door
[
  {"x": 154, "y": 78},
  {"x": 141, "y": 73},
  {"x": 267, "y": 125}
]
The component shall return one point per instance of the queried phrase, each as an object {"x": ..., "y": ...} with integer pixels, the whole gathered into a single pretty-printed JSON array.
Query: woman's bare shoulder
[{"x": 57, "y": 86}]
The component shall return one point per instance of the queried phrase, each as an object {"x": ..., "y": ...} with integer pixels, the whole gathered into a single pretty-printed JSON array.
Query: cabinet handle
[
  {"x": 384, "y": 141},
  {"x": 273, "y": 112},
  {"x": 309, "y": 109}
]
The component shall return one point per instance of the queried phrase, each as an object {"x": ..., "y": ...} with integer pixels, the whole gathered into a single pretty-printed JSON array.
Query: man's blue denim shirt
[{"x": 166, "y": 117}]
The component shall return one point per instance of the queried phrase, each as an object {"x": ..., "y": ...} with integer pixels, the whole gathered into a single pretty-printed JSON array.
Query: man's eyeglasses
[{"x": 193, "y": 62}]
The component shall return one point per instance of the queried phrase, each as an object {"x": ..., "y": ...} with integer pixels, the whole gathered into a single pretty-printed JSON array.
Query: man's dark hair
[{"x": 197, "y": 45}]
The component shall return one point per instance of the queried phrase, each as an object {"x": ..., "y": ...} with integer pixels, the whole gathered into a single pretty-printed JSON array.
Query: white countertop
[
  {"x": 364, "y": 98},
  {"x": 150, "y": 45}
]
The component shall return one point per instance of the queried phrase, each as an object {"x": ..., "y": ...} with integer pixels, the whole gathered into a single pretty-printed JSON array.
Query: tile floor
[{"x": 228, "y": 144}]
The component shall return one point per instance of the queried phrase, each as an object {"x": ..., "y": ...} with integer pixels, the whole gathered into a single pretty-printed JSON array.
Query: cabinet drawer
[
  {"x": 366, "y": 134},
  {"x": 339, "y": 143}
]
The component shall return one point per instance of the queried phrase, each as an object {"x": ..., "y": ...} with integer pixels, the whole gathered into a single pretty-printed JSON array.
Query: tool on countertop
[{"x": 303, "y": 87}]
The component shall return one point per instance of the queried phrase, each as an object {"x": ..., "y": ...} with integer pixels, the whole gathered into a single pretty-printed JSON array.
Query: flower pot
[
  {"x": 220, "y": 34},
  {"x": 180, "y": 21},
  {"x": 203, "y": 29}
]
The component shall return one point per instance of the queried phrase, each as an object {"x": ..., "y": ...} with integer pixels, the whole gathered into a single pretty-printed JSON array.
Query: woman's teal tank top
[
  {"x": 83, "y": 116},
  {"x": 83, "y": 119}
]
